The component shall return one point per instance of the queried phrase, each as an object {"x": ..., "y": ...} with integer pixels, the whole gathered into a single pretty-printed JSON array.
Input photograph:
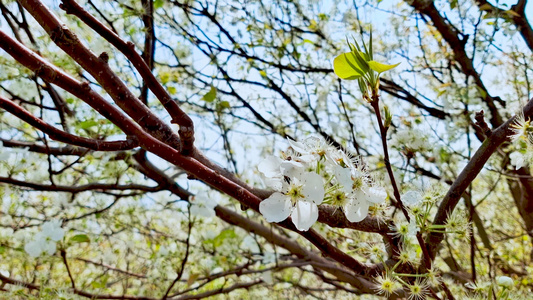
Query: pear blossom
[
  {"x": 521, "y": 129},
  {"x": 413, "y": 139},
  {"x": 44, "y": 242},
  {"x": 298, "y": 198},
  {"x": 202, "y": 205},
  {"x": 274, "y": 170},
  {"x": 267, "y": 277},
  {"x": 518, "y": 159},
  {"x": 418, "y": 290},
  {"x": 504, "y": 281},
  {"x": 298, "y": 179},
  {"x": 412, "y": 198},
  {"x": 356, "y": 209},
  {"x": 358, "y": 195},
  {"x": 313, "y": 148},
  {"x": 406, "y": 230},
  {"x": 386, "y": 285}
]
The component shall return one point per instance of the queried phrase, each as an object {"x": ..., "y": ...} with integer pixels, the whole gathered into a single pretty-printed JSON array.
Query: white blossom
[
  {"x": 518, "y": 159},
  {"x": 44, "y": 242},
  {"x": 267, "y": 277},
  {"x": 202, "y": 205},
  {"x": 504, "y": 281},
  {"x": 298, "y": 199},
  {"x": 412, "y": 198}
]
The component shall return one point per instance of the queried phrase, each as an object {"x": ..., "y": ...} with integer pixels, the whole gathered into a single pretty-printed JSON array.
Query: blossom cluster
[
  {"x": 411, "y": 140},
  {"x": 522, "y": 138},
  {"x": 311, "y": 173},
  {"x": 45, "y": 241}
]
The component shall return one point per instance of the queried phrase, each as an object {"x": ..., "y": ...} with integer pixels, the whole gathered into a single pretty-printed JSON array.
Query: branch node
[
  {"x": 46, "y": 72},
  {"x": 57, "y": 34},
  {"x": 480, "y": 122},
  {"x": 104, "y": 57},
  {"x": 85, "y": 86},
  {"x": 66, "y": 5}
]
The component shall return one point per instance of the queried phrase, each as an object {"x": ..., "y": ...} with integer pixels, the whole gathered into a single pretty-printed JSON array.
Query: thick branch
[
  {"x": 451, "y": 35},
  {"x": 80, "y": 188},
  {"x": 128, "y": 49},
  {"x": 468, "y": 174},
  {"x": 62, "y": 136},
  {"x": 62, "y": 36}
]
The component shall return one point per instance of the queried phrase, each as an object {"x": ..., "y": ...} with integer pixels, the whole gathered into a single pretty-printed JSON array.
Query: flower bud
[
  {"x": 505, "y": 281},
  {"x": 388, "y": 116}
]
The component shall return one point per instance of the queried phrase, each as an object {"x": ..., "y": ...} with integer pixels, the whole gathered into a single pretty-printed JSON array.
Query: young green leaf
[
  {"x": 211, "y": 95},
  {"x": 345, "y": 66},
  {"x": 379, "y": 67},
  {"x": 80, "y": 238}
]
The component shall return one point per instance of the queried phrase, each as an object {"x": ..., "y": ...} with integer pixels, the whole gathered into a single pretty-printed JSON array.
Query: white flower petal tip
[
  {"x": 270, "y": 166},
  {"x": 376, "y": 195},
  {"x": 313, "y": 187},
  {"x": 356, "y": 210},
  {"x": 203, "y": 205},
  {"x": 505, "y": 281},
  {"x": 276, "y": 208},
  {"x": 305, "y": 214},
  {"x": 412, "y": 198}
]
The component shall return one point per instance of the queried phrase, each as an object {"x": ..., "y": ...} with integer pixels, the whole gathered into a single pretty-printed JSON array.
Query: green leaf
[
  {"x": 224, "y": 104},
  {"x": 370, "y": 51},
  {"x": 192, "y": 279},
  {"x": 158, "y": 4},
  {"x": 486, "y": 6},
  {"x": 80, "y": 238},
  {"x": 345, "y": 67},
  {"x": 171, "y": 90},
  {"x": 362, "y": 61},
  {"x": 453, "y": 4},
  {"x": 224, "y": 235},
  {"x": 211, "y": 95},
  {"x": 88, "y": 124},
  {"x": 379, "y": 67}
]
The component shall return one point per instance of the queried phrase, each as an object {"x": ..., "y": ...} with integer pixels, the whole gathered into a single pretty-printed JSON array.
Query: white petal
[
  {"x": 304, "y": 215},
  {"x": 313, "y": 189},
  {"x": 276, "y": 183},
  {"x": 505, "y": 281},
  {"x": 270, "y": 166},
  {"x": 412, "y": 198},
  {"x": 57, "y": 234},
  {"x": 53, "y": 230},
  {"x": 517, "y": 159},
  {"x": 202, "y": 211},
  {"x": 33, "y": 248},
  {"x": 291, "y": 168},
  {"x": 276, "y": 208},
  {"x": 356, "y": 210},
  {"x": 344, "y": 178},
  {"x": 49, "y": 247},
  {"x": 376, "y": 195},
  {"x": 204, "y": 199},
  {"x": 298, "y": 147},
  {"x": 267, "y": 277},
  {"x": 307, "y": 158}
]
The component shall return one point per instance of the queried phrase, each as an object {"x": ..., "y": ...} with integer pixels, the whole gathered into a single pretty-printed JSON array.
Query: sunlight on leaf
[
  {"x": 379, "y": 67},
  {"x": 80, "y": 238},
  {"x": 211, "y": 95},
  {"x": 345, "y": 67}
]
